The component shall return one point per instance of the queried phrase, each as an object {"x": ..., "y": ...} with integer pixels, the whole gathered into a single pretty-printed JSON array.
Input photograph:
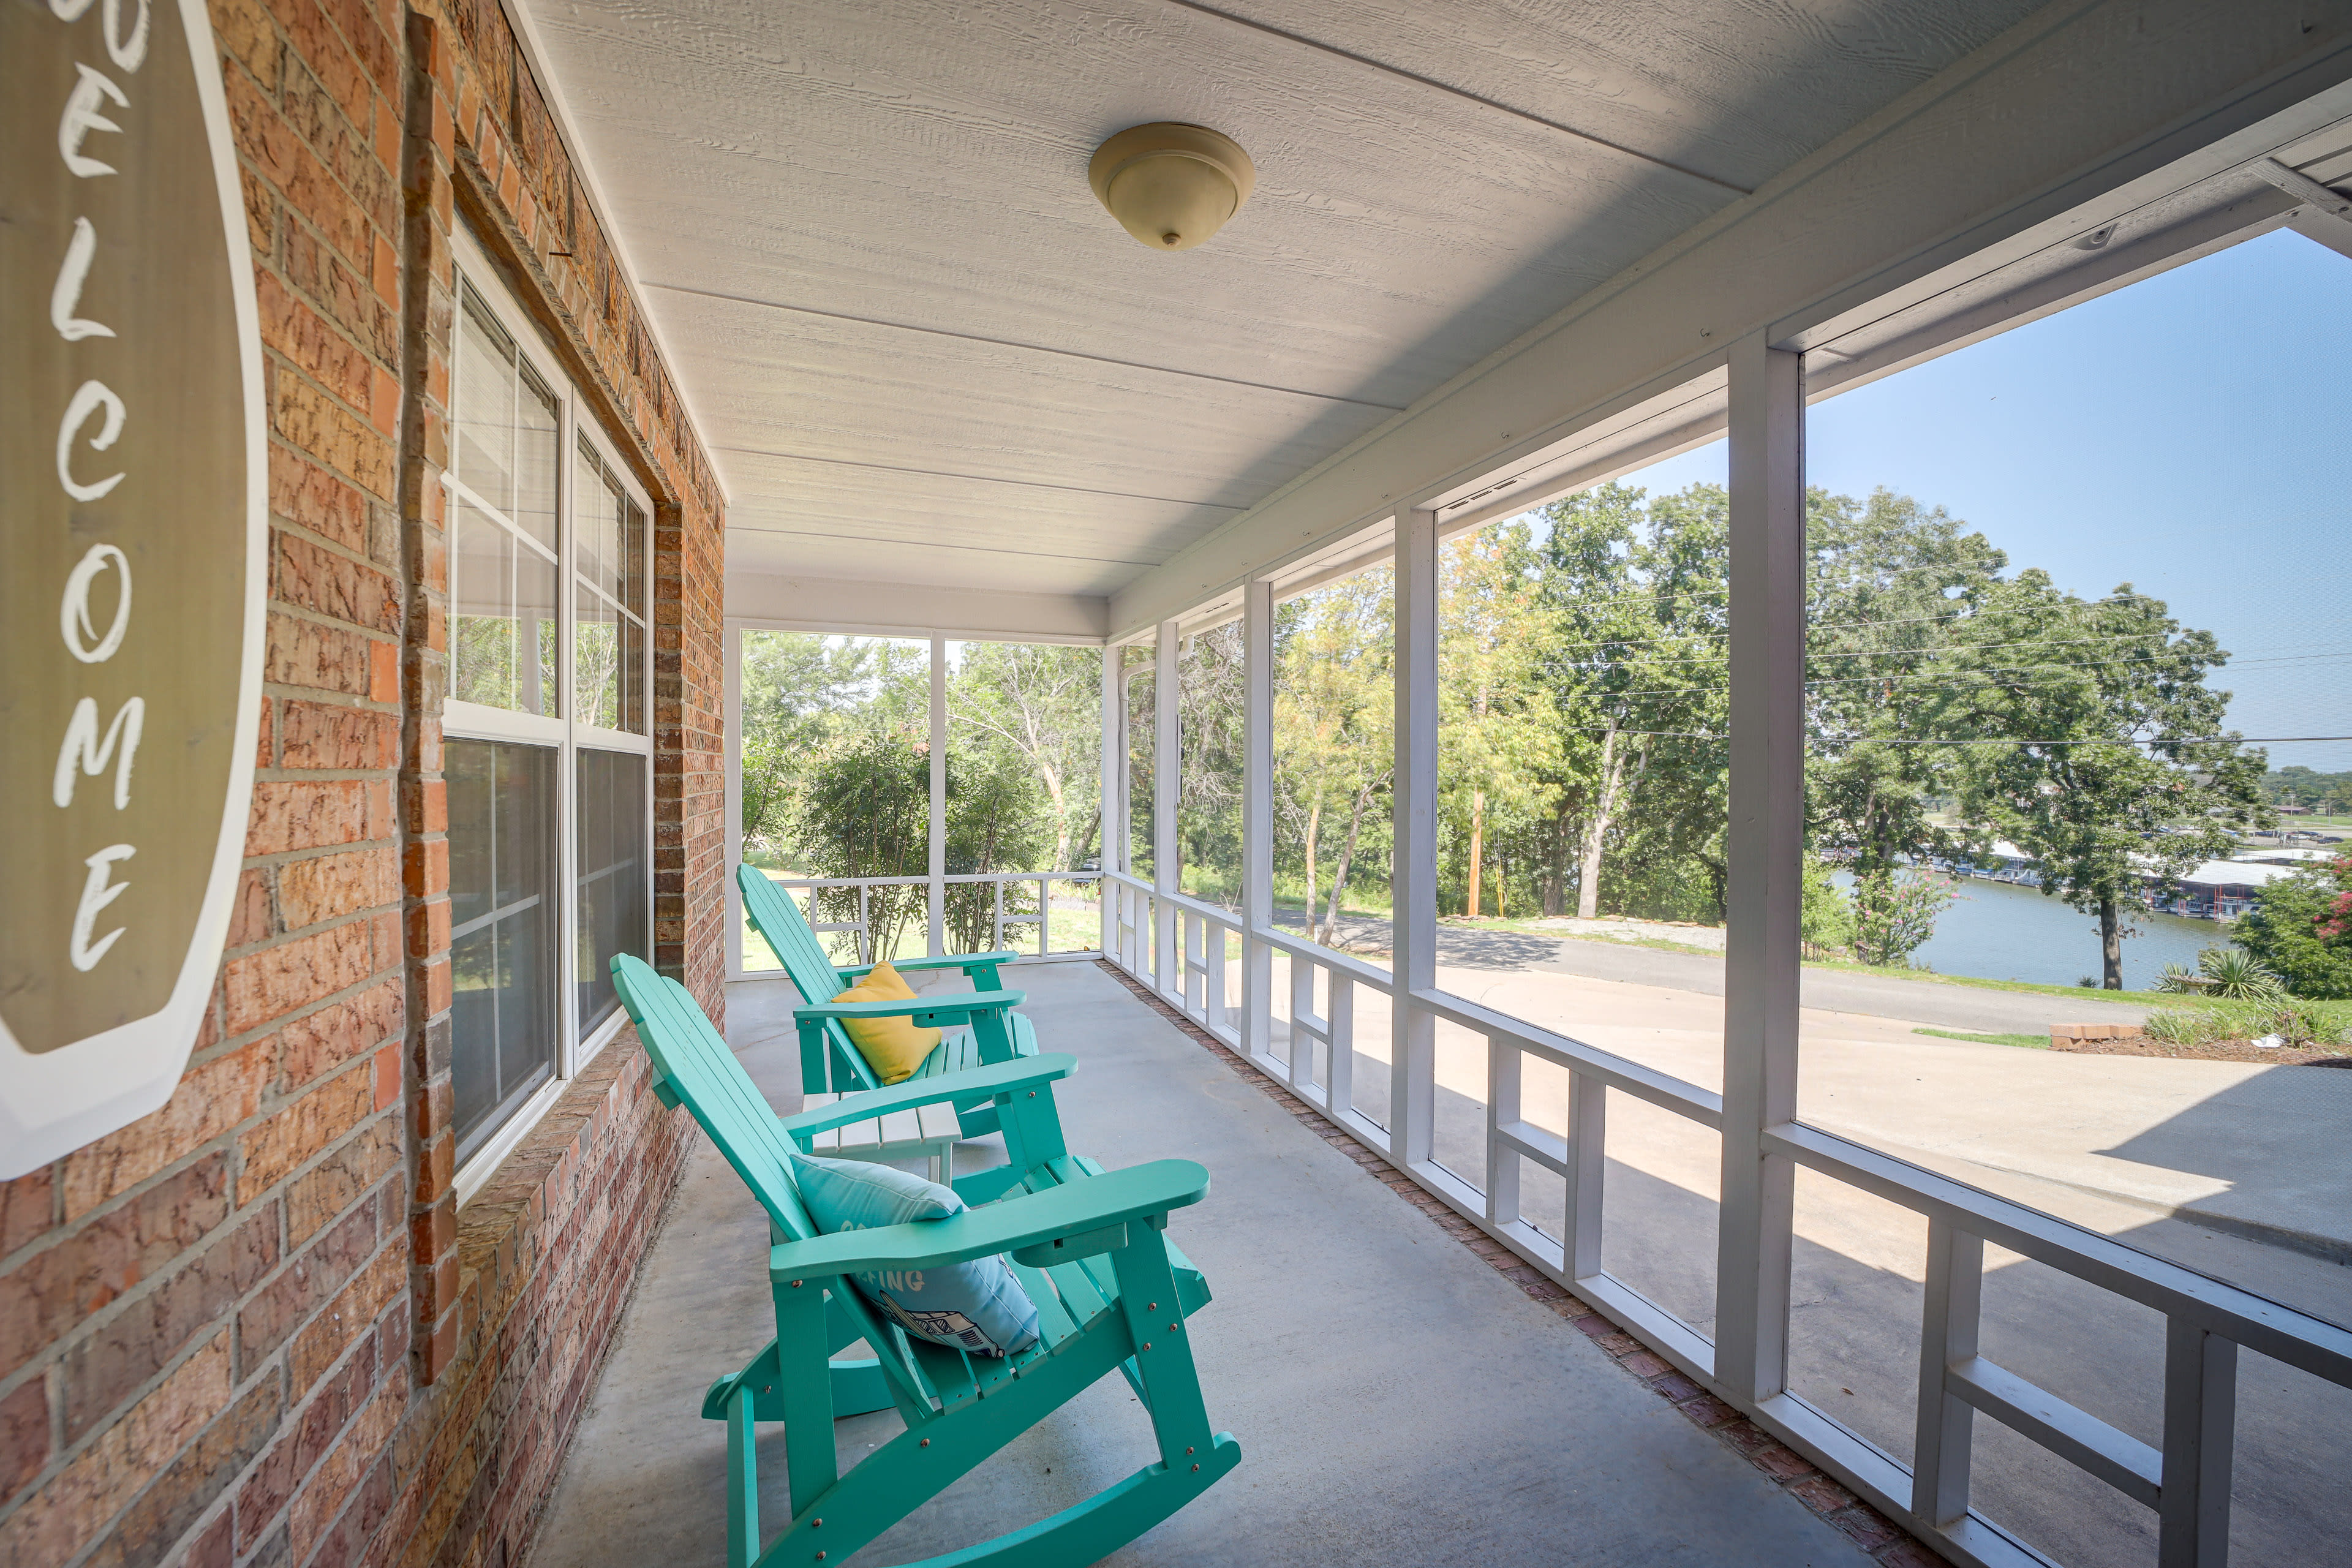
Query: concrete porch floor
[{"x": 1395, "y": 1398}]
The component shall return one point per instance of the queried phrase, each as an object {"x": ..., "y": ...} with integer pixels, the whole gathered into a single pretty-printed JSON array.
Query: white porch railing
[
  {"x": 2187, "y": 1480},
  {"x": 1000, "y": 918}
]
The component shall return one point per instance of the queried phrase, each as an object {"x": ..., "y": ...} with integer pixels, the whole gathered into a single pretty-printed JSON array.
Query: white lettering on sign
[
  {"x": 91, "y": 396},
  {"x": 74, "y": 622},
  {"x": 98, "y": 891},
  {"x": 82, "y": 117},
  {"x": 129, "y": 53},
  {"x": 83, "y": 747},
  {"x": 65, "y": 297}
]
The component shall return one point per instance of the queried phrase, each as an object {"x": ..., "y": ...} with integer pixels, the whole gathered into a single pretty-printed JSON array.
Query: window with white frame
[{"x": 549, "y": 745}]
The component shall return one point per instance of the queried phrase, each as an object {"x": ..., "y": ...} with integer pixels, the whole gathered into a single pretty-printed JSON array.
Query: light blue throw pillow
[{"x": 976, "y": 1307}]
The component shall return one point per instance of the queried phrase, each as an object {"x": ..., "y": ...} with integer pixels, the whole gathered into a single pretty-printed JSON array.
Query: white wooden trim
[
  {"x": 551, "y": 93},
  {"x": 1414, "y": 880},
  {"x": 938, "y": 892},
  {"x": 732, "y": 639},
  {"x": 1765, "y": 852},
  {"x": 1257, "y": 817},
  {"x": 1167, "y": 776},
  {"x": 1876, "y": 219}
]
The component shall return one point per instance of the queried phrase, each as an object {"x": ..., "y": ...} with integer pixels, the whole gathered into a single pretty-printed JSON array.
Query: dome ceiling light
[{"x": 1171, "y": 185}]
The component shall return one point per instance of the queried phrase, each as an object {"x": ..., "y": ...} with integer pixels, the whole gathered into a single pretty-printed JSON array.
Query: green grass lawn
[{"x": 2029, "y": 1042}]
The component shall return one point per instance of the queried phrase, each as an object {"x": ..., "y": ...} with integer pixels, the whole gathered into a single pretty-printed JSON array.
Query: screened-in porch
[{"x": 1547, "y": 646}]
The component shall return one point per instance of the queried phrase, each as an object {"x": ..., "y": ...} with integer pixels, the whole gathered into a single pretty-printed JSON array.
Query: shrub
[
  {"x": 2291, "y": 1021},
  {"x": 2300, "y": 928},
  {"x": 1825, "y": 920},
  {"x": 2237, "y": 977},
  {"x": 1894, "y": 916}
]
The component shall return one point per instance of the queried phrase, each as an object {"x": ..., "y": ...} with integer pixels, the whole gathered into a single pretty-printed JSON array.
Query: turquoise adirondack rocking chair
[
  {"x": 829, "y": 1063},
  {"x": 1088, "y": 1245}
]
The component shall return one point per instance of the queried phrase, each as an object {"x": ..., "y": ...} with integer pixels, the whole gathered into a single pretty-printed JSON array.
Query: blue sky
[{"x": 2185, "y": 435}]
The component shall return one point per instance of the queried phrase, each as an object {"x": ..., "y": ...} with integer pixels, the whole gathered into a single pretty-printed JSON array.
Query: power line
[
  {"x": 1959, "y": 611},
  {"x": 2257, "y": 665},
  {"x": 1996, "y": 740}
]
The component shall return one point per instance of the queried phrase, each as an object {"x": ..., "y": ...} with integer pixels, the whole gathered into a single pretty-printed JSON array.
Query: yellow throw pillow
[
  {"x": 893, "y": 1048},
  {"x": 882, "y": 977}
]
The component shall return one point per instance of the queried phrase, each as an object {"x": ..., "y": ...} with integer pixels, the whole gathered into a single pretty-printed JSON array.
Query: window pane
[
  {"x": 501, "y": 867},
  {"x": 609, "y": 636},
  {"x": 1209, "y": 765},
  {"x": 536, "y": 445},
  {"x": 1139, "y": 673},
  {"x": 1025, "y": 745},
  {"x": 502, "y": 635},
  {"x": 593, "y": 502},
  {"x": 612, "y": 908},
  {"x": 837, "y": 783},
  {"x": 1334, "y": 752},
  {"x": 482, "y": 639},
  {"x": 484, "y": 458}
]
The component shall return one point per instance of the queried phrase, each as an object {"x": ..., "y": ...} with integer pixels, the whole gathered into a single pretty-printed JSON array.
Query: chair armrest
[
  {"x": 985, "y": 1083},
  {"x": 1117, "y": 1198},
  {"x": 954, "y": 1006},
  {"x": 966, "y": 962}
]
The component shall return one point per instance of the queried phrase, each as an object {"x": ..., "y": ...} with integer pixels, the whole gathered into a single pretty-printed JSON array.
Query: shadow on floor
[{"x": 1396, "y": 1399}]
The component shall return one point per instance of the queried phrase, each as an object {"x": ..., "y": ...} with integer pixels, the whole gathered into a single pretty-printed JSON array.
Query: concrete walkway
[{"x": 1397, "y": 1401}]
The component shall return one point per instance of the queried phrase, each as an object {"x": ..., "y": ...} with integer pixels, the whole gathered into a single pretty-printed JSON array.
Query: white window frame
[{"x": 567, "y": 737}]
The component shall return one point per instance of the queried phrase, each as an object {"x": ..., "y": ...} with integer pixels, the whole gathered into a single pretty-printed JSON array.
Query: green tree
[
  {"x": 866, "y": 811},
  {"x": 1209, "y": 762},
  {"x": 1888, "y": 582},
  {"x": 2102, "y": 768},
  {"x": 1637, "y": 587},
  {"x": 1334, "y": 738},
  {"x": 801, "y": 693},
  {"x": 1042, "y": 705},
  {"x": 2300, "y": 928},
  {"x": 1499, "y": 738}
]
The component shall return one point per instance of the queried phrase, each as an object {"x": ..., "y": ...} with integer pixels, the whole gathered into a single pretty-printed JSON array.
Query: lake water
[{"x": 1998, "y": 931}]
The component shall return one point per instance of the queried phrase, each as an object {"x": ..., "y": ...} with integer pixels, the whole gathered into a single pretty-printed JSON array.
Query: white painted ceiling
[{"x": 923, "y": 353}]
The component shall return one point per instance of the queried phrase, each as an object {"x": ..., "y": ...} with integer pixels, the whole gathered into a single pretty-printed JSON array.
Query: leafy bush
[
  {"x": 2301, "y": 927},
  {"x": 2178, "y": 979},
  {"x": 2237, "y": 977},
  {"x": 2291, "y": 1021},
  {"x": 1826, "y": 920},
  {"x": 1893, "y": 915}
]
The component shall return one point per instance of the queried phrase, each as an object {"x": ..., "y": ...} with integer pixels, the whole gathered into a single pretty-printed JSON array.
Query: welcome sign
[{"x": 133, "y": 529}]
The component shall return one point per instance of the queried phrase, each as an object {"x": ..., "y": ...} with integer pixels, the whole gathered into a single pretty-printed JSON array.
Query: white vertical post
[
  {"x": 1112, "y": 787},
  {"x": 1947, "y": 1335},
  {"x": 1504, "y": 1106},
  {"x": 939, "y": 891},
  {"x": 1167, "y": 772},
  {"x": 732, "y": 640},
  {"x": 1413, "y": 1058},
  {"x": 2200, "y": 1419},
  {"x": 1258, "y": 819},
  {"x": 1765, "y": 848},
  {"x": 1587, "y": 1170}
]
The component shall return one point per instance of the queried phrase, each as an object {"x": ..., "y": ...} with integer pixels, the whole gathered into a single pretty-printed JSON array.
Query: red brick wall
[{"x": 253, "y": 1327}]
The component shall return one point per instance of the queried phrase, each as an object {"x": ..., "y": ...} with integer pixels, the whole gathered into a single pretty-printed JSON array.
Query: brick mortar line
[{"x": 1881, "y": 1538}]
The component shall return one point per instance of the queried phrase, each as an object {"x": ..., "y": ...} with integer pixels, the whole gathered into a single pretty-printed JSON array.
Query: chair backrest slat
[
  {"x": 777, "y": 919},
  {"x": 705, "y": 1075},
  {"x": 710, "y": 1083}
]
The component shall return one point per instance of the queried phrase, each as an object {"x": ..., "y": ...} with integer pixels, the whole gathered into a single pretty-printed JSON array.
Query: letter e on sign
[{"x": 133, "y": 526}]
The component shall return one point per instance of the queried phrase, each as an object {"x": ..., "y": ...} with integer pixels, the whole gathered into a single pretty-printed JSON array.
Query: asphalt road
[{"x": 1930, "y": 1002}]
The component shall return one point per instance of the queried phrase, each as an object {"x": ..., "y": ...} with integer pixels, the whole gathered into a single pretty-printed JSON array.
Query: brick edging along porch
[{"x": 1880, "y": 1537}]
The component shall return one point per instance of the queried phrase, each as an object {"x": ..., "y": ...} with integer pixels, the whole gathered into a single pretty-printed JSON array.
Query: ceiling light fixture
[{"x": 1171, "y": 185}]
